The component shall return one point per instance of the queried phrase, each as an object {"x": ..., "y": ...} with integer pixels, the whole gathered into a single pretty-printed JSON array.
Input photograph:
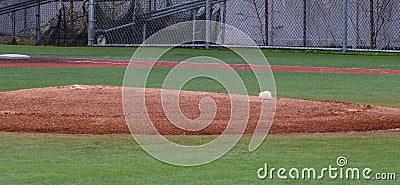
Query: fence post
[
  {"x": 194, "y": 28},
  {"x": 208, "y": 18},
  {"x": 13, "y": 36},
  {"x": 144, "y": 32},
  {"x": 266, "y": 22},
  {"x": 304, "y": 23},
  {"x": 38, "y": 36},
  {"x": 223, "y": 23},
  {"x": 92, "y": 22},
  {"x": 345, "y": 25}
]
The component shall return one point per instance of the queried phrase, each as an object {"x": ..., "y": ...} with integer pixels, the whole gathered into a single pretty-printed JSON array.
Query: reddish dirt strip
[{"x": 84, "y": 63}]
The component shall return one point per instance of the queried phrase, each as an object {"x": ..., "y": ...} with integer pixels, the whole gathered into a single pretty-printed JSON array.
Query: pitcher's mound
[{"x": 98, "y": 110}]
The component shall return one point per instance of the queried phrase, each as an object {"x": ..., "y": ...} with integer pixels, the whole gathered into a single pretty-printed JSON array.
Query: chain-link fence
[
  {"x": 370, "y": 24},
  {"x": 132, "y": 22},
  {"x": 374, "y": 24},
  {"x": 43, "y": 22}
]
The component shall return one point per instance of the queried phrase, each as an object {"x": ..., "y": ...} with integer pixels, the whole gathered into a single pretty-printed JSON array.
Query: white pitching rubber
[
  {"x": 76, "y": 87},
  {"x": 14, "y": 57},
  {"x": 265, "y": 95}
]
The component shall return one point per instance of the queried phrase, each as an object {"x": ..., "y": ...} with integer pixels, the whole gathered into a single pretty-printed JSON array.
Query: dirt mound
[{"x": 98, "y": 110}]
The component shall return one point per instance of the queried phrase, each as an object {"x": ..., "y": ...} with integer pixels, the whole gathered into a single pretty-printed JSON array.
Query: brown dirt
[{"x": 98, "y": 110}]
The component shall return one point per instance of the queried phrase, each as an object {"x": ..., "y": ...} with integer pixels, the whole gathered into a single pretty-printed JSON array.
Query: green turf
[
  {"x": 113, "y": 53},
  {"x": 367, "y": 89},
  {"x": 275, "y": 57},
  {"x": 24, "y": 78},
  {"x": 86, "y": 159}
]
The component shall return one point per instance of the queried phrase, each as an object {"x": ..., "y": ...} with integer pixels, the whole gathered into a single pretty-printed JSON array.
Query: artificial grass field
[
  {"x": 88, "y": 159},
  {"x": 275, "y": 57},
  {"x": 356, "y": 88},
  {"x": 117, "y": 159}
]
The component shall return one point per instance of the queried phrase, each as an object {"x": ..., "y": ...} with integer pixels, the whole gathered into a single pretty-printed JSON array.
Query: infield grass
[
  {"x": 88, "y": 159},
  {"x": 275, "y": 57},
  {"x": 366, "y": 89}
]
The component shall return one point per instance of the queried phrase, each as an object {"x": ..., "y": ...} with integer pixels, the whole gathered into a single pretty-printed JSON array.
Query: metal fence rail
[{"x": 303, "y": 24}]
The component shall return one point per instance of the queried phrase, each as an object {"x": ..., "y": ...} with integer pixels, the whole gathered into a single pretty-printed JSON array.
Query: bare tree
[
  {"x": 380, "y": 14},
  {"x": 259, "y": 18}
]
